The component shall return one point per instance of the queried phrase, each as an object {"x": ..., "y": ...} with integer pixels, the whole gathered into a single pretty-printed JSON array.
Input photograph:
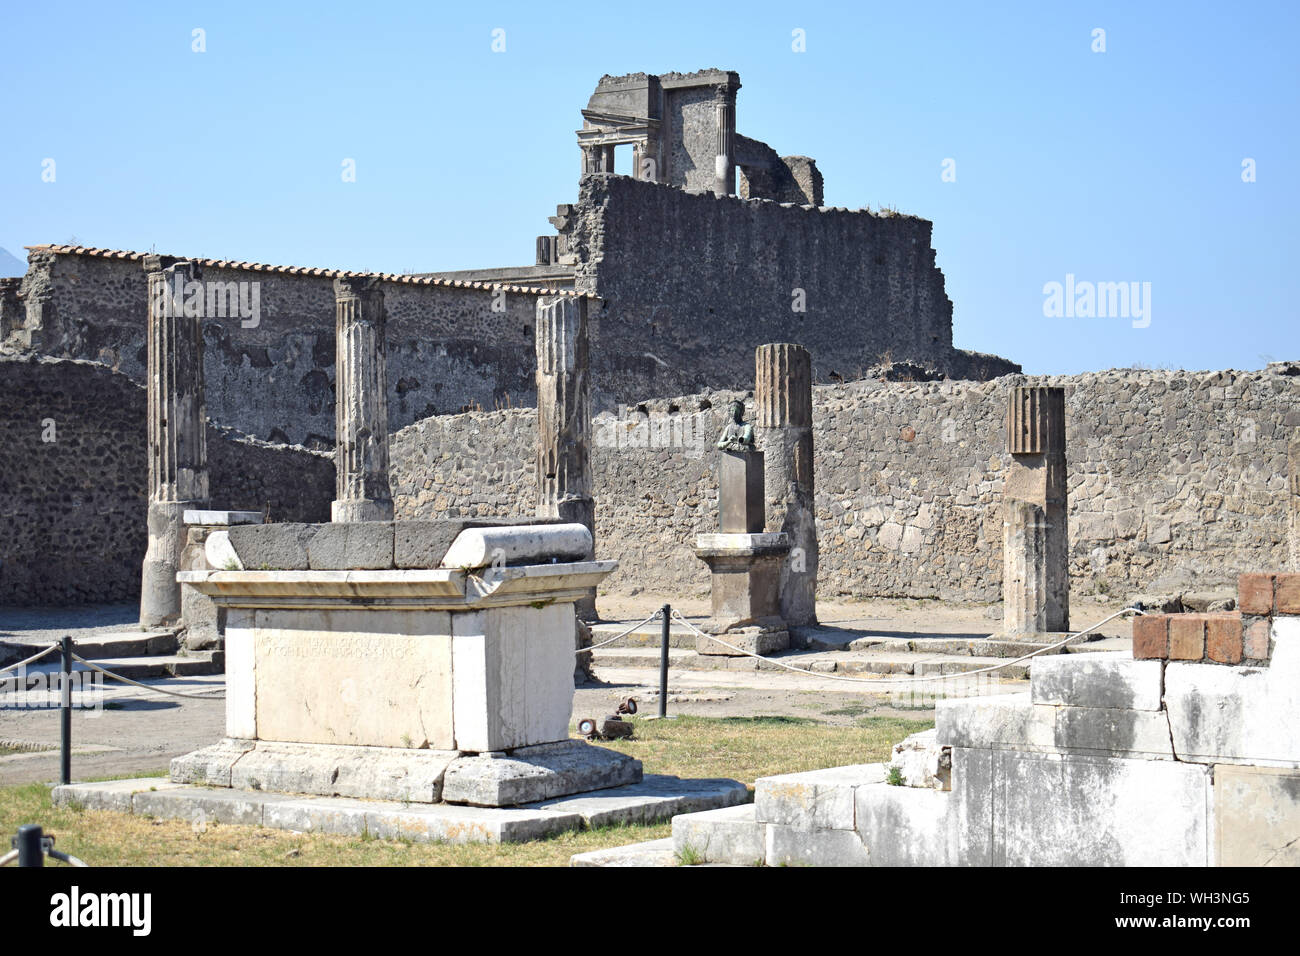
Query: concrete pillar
[
  {"x": 564, "y": 418},
  {"x": 783, "y": 431},
  {"x": 361, "y": 403},
  {"x": 1293, "y": 487},
  {"x": 178, "y": 466},
  {"x": 724, "y": 163},
  {"x": 1035, "y": 535}
]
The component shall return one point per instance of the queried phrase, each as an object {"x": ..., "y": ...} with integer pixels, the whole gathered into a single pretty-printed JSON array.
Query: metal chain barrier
[
  {"x": 35, "y": 657},
  {"x": 135, "y": 683},
  {"x": 32, "y": 845},
  {"x": 887, "y": 681},
  {"x": 653, "y": 617}
]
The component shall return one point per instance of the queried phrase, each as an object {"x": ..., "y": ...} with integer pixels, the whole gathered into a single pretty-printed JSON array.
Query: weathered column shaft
[
  {"x": 177, "y": 422},
  {"x": 564, "y": 419},
  {"x": 563, "y": 411},
  {"x": 724, "y": 162},
  {"x": 361, "y": 403},
  {"x": 1035, "y": 535},
  {"x": 1293, "y": 487},
  {"x": 783, "y": 429}
]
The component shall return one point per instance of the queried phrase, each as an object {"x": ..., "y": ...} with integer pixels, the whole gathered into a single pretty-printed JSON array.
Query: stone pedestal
[
  {"x": 178, "y": 469},
  {"x": 740, "y": 492},
  {"x": 1035, "y": 537},
  {"x": 204, "y": 622},
  {"x": 745, "y": 571},
  {"x": 564, "y": 419},
  {"x": 458, "y": 686},
  {"x": 783, "y": 428},
  {"x": 361, "y": 409}
]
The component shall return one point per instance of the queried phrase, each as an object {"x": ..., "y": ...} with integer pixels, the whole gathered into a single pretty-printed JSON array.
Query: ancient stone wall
[
  {"x": 73, "y": 481},
  {"x": 692, "y": 284},
  {"x": 447, "y": 347},
  {"x": 1169, "y": 473}
]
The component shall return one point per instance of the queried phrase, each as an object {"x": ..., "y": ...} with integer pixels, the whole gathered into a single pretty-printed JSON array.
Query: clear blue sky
[{"x": 1115, "y": 166}]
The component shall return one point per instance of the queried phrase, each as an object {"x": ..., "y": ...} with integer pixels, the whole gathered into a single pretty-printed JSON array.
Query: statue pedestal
[
  {"x": 741, "y": 504},
  {"x": 745, "y": 574}
]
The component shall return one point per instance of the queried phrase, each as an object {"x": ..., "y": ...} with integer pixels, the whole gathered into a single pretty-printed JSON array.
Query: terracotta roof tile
[{"x": 299, "y": 270}]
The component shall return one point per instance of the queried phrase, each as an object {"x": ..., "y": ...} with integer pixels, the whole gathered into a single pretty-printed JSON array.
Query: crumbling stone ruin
[{"x": 682, "y": 275}]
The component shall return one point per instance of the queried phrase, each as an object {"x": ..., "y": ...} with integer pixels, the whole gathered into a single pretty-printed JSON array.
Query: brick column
[
  {"x": 1035, "y": 538},
  {"x": 564, "y": 417},
  {"x": 783, "y": 431},
  {"x": 361, "y": 403},
  {"x": 178, "y": 467}
]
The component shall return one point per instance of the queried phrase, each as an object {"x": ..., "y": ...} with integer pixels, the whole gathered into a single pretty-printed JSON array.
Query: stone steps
[
  {"x": 843, "y": 662},
  {"x": 648, "y": 635},
  {"x": 195, "y": 664}
]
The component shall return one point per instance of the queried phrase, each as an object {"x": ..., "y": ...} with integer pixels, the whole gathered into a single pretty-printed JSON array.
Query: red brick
[
  {"x": 1151, "y": 637},
  {"x": 1186, "y": 637},
  {"x": 1255, "y": 642},
  {"x": 1223, "y": 638},
  {"x": 1255, "y": 594},
  {"x": 1288, "y": 594}
]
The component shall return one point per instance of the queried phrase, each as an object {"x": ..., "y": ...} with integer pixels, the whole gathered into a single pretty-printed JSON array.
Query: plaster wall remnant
[
  {"x": 1036, "y": 580},
  {"x": 783, "y": 420},
  {"x": 361, "y": 429},
  {"x": 176, "y": 422}
]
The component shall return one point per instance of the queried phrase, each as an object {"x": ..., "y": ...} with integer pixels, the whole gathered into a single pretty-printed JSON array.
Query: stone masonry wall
[
  {"x": 447, "y": 348},
  {"x": 1170, "y": 473},
  {"x": 692, "y": 284},
  {"x": 74, "y": 474}
]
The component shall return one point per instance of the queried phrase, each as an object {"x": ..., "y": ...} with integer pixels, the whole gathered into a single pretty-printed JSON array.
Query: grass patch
[
  {"x": 742, "y": 748},
  {"x": 746, "y": 748}
]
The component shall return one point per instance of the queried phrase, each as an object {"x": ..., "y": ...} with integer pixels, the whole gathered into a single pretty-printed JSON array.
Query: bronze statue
[{"x": 738, "y": 434}]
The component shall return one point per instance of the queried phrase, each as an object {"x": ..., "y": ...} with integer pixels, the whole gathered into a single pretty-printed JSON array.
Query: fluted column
[
  {"x": 783, "y": 429},
  {"x": 361, "y": 403},
  {"x": 564, "y": 417},
  {"x": 1293, "y": 489},
  {"x": 724, "y": 161},
  {"x": 178, "y": 466},
  {"x": 1035, "y": 534}
]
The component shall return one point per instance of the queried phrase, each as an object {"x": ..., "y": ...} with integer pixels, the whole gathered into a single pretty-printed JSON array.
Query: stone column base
[
  {"x": 160, "y": 594},
  {"x": 361, "y": 509},
  {"x": 754, "y": 640}
]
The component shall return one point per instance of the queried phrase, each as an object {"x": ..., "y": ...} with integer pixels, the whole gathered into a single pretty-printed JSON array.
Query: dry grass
[{"x": 738, "y": 747}]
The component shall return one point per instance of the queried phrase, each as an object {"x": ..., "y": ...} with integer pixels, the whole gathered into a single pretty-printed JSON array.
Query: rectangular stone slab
[
  {"x": 354, "y": 676},
  {"x": 1097, "y": 680},
  {"x": 533, "y": 774}
]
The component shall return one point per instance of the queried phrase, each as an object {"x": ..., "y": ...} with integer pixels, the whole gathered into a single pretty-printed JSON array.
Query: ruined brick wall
[
  {"x": 72, "y": 509},
  {"x": 692, "y": 284},
  {"x": 447, "y": 348},
  {"x": 1169, "y": 472}
]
